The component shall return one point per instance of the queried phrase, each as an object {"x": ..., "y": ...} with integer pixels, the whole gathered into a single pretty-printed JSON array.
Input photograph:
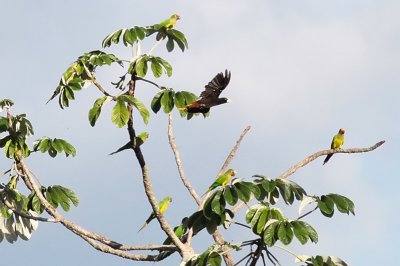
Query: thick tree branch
[
  {"x": 314, "y": 156},
  {"x": 178, "y": 161},
  {"x": 185, "y": 251},
  {"x": 149, "y": 247},
  {"x": 119, "y": 253},
  {"x": 97, "y": 241}
]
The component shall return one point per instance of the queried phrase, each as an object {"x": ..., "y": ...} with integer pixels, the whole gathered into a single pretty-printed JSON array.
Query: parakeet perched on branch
[
  {"x": 337, "y": 143},
  {"x": 171, "y": 21},
  {"x": 163, "y": 206},
  {"x": 209, "y": 97},
  {"x": 222, "y": 180}
]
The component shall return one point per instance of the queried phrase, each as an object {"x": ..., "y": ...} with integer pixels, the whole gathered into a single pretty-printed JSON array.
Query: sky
[{"x": 300, "y": 71}]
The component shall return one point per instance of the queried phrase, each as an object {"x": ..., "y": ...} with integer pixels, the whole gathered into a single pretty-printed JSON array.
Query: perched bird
[
  {"x": 337, "y": 143},
  {"x": 170, "y": 22},
  {"x": 222, "y": 180},
  {"x": 209, "y": 97},
  {"x": 163, "y": 206}
]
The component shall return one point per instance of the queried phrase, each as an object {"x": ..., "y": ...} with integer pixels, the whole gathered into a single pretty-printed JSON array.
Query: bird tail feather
[{"x": 327, "y": 158}]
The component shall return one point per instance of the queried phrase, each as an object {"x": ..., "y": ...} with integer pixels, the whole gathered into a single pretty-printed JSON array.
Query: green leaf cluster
[
  {"x": 56, "y": 195},
  {"x": 6, "y": 103},
  {"x": 272, "y": 189},
  {"x": 211, "y": 257},
  {"x": 80, "y": 73},
  {"x": 120, "y": 113},
  {"x": 173, "y": 37},
  {"x": 19, "y": 129},
  {"x": 15, "y": 146},
  {"x": 54, "y": 146},
  {"x": 94, "y": 112},
  {"x": 324, "y": 261},
  {"x": 157, "y": 64},
  {"x": 167, "y": 98},
  {"x": 129, "y": 36},
  {"x": 271, "y": 225},
  {"x": 327, "y": 202},
  {"x": 12, "y": 225}
]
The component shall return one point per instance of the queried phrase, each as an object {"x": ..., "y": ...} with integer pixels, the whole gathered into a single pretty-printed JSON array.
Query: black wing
[{"x": 216, "y": 85}]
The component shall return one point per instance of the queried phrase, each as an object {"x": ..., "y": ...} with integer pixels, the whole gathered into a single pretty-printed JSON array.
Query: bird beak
[{"x": 229, "y": 101}]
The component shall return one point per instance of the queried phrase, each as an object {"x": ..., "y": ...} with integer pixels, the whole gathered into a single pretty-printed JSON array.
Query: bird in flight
[
  {"x": 337, "y": 143},
  {"x": 210, "y": 96}
]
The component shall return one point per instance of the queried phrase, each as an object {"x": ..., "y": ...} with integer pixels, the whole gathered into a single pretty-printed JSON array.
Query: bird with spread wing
[{"x": 210, "y": 96}]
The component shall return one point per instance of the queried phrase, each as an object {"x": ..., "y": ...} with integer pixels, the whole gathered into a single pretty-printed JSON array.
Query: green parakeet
[
  {"x": 222, "y": 180},
  {"x": 170, "y": 22},
  {"x": 163, "y": 206},
  {"x": 337, "y": 143}
]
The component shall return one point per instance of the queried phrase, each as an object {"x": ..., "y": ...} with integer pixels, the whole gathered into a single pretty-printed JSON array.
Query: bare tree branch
[
  {"x": 149, "y": 247},
  {"x": 228, "y": 258},
  {"x": 314, "y": 156},
  {"x": 119, "y": 253},
  {"x": 311, "y": 158},
  {"x": 233, "y": 151},
  {"x": 178, "y": 161},
  {"x": 97, "y": 241}
]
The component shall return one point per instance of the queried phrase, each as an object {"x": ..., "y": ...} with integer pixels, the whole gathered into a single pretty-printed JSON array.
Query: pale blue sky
[{"x": 300, "y": 71}]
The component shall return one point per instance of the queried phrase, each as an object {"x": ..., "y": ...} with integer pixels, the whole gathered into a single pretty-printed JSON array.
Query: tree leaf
[
  {"x": 167, "y": 101},
  {"x": 138, "y": 105},
  {"x": 230, "y": 195},
  {"x": 120, "y": 114},
  {"x": 170, "y": 44},
  {"x": 166, "y": 65},
  {"x": 300, "y": 231},
  {"x": 68, "y": 148},
  {"x": 156, "y": 68},
  {"x": 141, "y": 66},
  {"x": 156, "y": 102},
  {"x": 262, "y": 221},
  {"x": 306, "y": 201},
  {"x": 343, "y": 204},
  {"x": 95, "y": 111},
  {"x": 326, "y": 206},
  {"x": 269, "y": 236},
  {"x": 218, "y": 203},
  {"x": 285, "y": 233},
  {"x": 244, "y": 192}
]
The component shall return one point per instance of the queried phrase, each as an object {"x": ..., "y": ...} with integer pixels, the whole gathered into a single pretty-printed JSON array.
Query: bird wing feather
[{"x": 216, "y": 85}]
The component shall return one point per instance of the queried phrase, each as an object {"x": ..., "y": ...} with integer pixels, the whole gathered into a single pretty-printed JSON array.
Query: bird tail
[
  {"x": 141, "y": 228},
  {"x": 327, "y": 158},
  {"x": 151, "y": 217}
]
